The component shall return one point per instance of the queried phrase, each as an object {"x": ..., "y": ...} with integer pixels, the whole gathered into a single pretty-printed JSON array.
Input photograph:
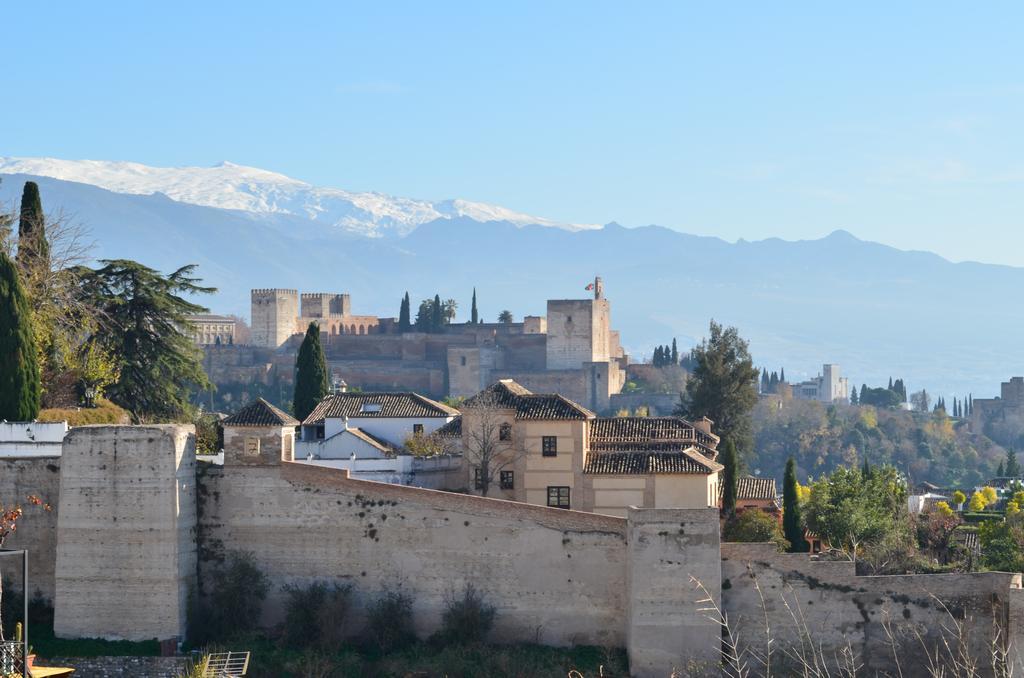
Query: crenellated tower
[{"x": 275, "y": 314}]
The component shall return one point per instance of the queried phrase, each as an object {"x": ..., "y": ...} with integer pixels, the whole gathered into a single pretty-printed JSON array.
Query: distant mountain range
[{"x": 877, "y": 311}]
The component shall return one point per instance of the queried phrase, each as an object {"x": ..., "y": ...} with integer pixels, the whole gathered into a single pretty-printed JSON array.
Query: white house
[
  {"x": 32, "y": 438},
  {"x": 368, "y": 425}
]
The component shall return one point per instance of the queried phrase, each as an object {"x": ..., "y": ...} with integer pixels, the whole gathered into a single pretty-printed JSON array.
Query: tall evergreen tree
[
  {"x": 404, "y": 317},
  {"x": 764, "y": 380},
  {"x": 33, "y": 247},
  {"x": 853, "y": 396},
  {"x": 792, "y": 524},
  {"x": 437, "y": 314},
  {"x": 20, "y": 390},
  {"x": 1000, "y": 470},
  {"x": 675, "y": 352},
  {"x": 722, "y": 386},
  {"x": 656, "y": 361},
  {"x": 890, "y": 383},
  {"x": 474, "y": 316},
  {"x": 1012, "y": 465},
  {"x": 730, "y": 476},
  {"x": 782, "y": 375},
  {"x": 143, "y": 321},
  {"x": 311, "y": 379},
  {"x": 773, "y": 382}
]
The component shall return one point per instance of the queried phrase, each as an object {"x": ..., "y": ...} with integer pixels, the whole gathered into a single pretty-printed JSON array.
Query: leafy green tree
[
  {"x": 850, "y": 511},
  {"x": 425, "y": 316},
  {"x": 312, "y": 382},
  {"x": 754, "y": 526},
  {"x": 722, "y": 386},
  {"x": 474, "y": 315},
  {"x": 143, "y": 322},
  {"x": 505, "y": 317},
  {"x": 20, "y": 389},
  {"x": 1002, "y": 544},
  {"x": 792, "y": 522},
  {"x": 959, "y": 498},
  {"x": 404, "y": 324},
  {"x": 729, "y": 476},
  {"x": 1012, "y": 465},
  {"x": 33, "y": 247}
]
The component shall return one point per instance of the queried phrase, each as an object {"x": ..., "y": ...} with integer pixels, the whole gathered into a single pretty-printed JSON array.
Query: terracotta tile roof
[
  {"x": 377, "y": 405},
  {"x": 260, "y": 413},
  {"x": 686, "y": 461},
  {"x": 507, "y": 394},
  {"x": 453, "y": 429},
  {"x": 752, "y": 487},
  {"x": 604, "y": 430}
]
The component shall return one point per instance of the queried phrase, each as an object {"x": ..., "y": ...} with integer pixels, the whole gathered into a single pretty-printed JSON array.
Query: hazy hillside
[{"x": 875, "y": 310}]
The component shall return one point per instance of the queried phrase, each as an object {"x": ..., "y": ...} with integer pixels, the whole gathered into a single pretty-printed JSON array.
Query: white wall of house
[
  {"x": 404, "y": 469},
  {"x": 392, "y": 429},
  {"x": 32, "y": 438},
  {"x": 341, "y": 445}
]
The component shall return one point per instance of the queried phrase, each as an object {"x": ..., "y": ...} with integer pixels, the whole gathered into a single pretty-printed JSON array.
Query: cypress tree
[
  {"x": 1012, "y": 465},
  {"x": 764, "y": 380},
  {"x": 404, "y": 322},
  {"x": 729, "y": 478},
  {"x": 474, "y": 316},
  {"x": 853, "y": 396},
  {"x": 675, "y": 352},
  {"x": 792, "y": 527},
  {"x": 20, "y": 389},
  {"x": 33, "y": 248},
  {"x": 1000, "y": 470},
  {"x": 657, "y": 356},
  {"x": 311, "y": 379},
  {"x": 436, "y": 314},
  {"x": 782, "y": 375}
]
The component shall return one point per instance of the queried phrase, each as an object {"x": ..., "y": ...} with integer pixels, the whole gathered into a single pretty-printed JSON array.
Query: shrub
[
  {"x": 234, "y": 602},
  {"x": 105, "y": 412},
  {"x": 315, "y": 616},
  {"x": 467, "y": 617},
  {"x": 389, "y": 622},
  {"x": 754, "y": 525}
]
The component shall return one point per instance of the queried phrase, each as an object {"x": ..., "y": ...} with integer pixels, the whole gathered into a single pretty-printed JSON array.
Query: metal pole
[{"x": 24, "y": 630}]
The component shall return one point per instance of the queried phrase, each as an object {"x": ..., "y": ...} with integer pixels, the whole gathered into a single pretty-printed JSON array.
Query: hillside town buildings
[{"x": 212, "y": 330}]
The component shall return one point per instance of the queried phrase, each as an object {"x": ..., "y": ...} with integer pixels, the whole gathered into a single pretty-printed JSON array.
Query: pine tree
[
  {"x": 437, "y": 315},
  {"x": 792, "y": 524},
  {"x": 729, "y": 478},
  {"x": 311, "y": 378},
  {"x": 474, "y": 316},
  {"x": 853, "y": 396},
  {"x": 404, "y": 321},
  {"x": 19, "y": 372},
  {"x": 33, "y": 247},
  {"x": 675, "y": 352},
  {"x": 1012, "y": 466}
]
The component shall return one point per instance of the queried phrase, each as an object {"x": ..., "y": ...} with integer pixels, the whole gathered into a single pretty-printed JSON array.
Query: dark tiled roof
[
  {"x": 687, "y": 461},
  {"x": 391, "y": 405},
  {"x": 751, "y": 487},
  {"x": 507, "y": 394},
  {"x": 453, "y": 429},
  {"x": 649, "y": 430},
  {"x": 260, "y": 413}
]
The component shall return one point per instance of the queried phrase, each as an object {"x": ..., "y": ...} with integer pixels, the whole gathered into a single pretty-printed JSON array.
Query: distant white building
[
  {"x": 32, "y": 438},
  {"x": 827, "y": 387}
]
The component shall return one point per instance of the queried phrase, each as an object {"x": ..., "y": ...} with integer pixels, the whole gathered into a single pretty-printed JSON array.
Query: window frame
[
  {"x": 558, "y": 495},
  {"x": 417, "y": 429},
  {"x": 549, "y": 446},
  {"x": 507, "y": 480},
  {"x": 505, "y": 433}
]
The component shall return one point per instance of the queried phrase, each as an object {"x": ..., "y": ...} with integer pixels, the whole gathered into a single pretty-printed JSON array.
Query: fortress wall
[
  {"x": 556, "y": 577},
  {"x": 126, "y": 550},
  {"x": 37, "y": 529},
  {"x": 836, "y": 606}
]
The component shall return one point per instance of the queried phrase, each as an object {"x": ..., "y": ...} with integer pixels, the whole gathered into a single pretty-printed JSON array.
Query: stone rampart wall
[
  {"x": 116, "y": 667},
  {"x": 37, "y": 529},
  {"x": 826, "y": 603}
]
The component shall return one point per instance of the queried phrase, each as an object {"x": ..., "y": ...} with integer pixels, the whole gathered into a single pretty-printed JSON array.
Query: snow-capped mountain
[{"x": 249, "y": 189}]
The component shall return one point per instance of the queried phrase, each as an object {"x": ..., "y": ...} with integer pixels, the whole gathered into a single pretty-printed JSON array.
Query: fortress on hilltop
[{"x": 571, "y": 350}]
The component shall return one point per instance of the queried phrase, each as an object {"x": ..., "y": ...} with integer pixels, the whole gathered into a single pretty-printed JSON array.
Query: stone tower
[
  {"x": 579, "y": 330},
  {"x": 259, "y": 435},
  {"x": 275, "y": 314}
]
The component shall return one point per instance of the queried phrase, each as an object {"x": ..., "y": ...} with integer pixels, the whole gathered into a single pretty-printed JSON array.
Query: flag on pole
[{"x": 589, "y": 287}]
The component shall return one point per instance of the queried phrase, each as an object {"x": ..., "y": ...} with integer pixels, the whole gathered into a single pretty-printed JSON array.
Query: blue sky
[{"x": 900, "y": 122}]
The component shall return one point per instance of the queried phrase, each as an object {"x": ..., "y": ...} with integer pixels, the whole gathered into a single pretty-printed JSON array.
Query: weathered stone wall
[
  {"x": 126, "y": 537},
  {"x": 37, "y": 529},
  {"x": 668, "y": 554},
  {"x": 657, "y": 404},
  {"x": 115, "y": 667},
  {"x": 827, "y": 603},
  {"x": 555, "y": 576}
]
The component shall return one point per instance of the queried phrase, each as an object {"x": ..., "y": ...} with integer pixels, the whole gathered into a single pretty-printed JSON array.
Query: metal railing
[
  {"x": 14, "y": 652},
  {"x": 12, "y": 658}
]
